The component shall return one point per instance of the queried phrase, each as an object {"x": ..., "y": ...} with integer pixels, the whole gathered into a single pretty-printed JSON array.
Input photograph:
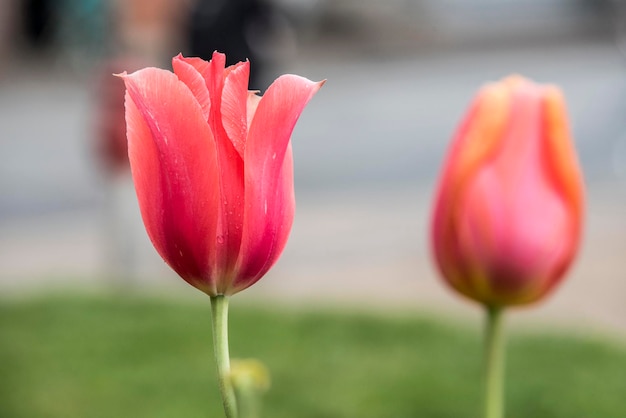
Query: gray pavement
[{"x": 367, "y": 152}]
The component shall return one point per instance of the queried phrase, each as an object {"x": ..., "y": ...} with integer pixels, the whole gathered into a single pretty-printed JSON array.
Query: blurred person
[
  {"x": 239, "y": 28},
  {"x": 39, "y": 22},
  {"x": 110, "y": 126},
  {"x": 111, "y": 151},
  {"x": 151, "y": 30},
  {"x": 81, "y": 32},
  {"x": 8, "y": 30},
  {"x": 141, "y": 33},
  {"x": 618, "y": 16}
]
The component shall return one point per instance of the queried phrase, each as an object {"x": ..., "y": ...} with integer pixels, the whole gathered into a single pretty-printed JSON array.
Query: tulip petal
[
  {"x": 174, "y": 166},
  {"x": 214, "y": 77},
  {"x": 560, "y": 157},
  {"x": 213, "y": 74},
  {"x": 510, "y": 233},
  {"x": 234, "y": 105},
  {"x": 230, "y": 163},
  {"x": 189, "y": 75},
  {"x": 268, "y": 139},
  {"x": 202, "y": 67},
  {"x": 481, "y": 133},
  {"x": 286, "y": 206},
  {"x": 477, "y": 139}
]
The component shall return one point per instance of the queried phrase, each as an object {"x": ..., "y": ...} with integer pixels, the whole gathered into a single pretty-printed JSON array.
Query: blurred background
[{"x": 367, "y": 148}]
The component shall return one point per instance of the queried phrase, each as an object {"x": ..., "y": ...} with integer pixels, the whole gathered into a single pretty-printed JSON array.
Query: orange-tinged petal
[
  {"x": 174, "y": 167},
  {"x": 561, "y": 160},
  {"x": 476, "y": 140},
  {"x": 483, "y": 132}
]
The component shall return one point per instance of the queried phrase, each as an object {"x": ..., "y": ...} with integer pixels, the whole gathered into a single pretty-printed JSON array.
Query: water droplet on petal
[{"x": 220, "y": 239}]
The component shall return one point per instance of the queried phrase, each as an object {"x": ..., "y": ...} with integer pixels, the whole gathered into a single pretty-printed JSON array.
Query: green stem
[
  {"x": 494, "y": 364},
  {"x": 219, "y": 319}
]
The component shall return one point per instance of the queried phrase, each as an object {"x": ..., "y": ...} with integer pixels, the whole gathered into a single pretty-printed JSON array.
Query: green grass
[{"x": 140, "y": 357}]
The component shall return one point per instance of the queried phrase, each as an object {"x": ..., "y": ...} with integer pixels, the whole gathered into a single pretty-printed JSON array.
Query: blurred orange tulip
[{"x": 508, "y": 214}]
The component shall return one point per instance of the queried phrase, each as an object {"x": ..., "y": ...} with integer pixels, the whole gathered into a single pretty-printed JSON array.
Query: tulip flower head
[
  {"x": 508, "y": 214},
  {"x": 213, "y": 167}
]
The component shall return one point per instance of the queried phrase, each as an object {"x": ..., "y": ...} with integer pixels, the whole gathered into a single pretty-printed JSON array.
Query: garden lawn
[{"x": 77, "y": 357}]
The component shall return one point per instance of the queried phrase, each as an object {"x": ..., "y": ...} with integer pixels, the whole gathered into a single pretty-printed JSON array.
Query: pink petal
[
  {"x": 230, "y": 163},
  {"x": 268, "y": 140},
  {"x": 234, "y": 105},
  {"x": 286, "y": 205},
  {"x": 213, "y": 74},
  {"x": 515, "y": 237},
  {"x": 189, "y": 75},
  {"x": 214, "y": 77},
  {"x": 203, "y": 67},
  {"x": 174, "y": 167}
]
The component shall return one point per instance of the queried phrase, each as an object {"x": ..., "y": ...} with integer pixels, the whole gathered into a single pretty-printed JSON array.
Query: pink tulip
[
  {"x": 508, "y": 214},
  {"x": 213, "y": 168}
]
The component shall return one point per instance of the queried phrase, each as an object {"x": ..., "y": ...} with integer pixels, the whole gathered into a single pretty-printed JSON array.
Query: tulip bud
[
  {"x": 508, "y": 214},
  {"x": 250, "y": 379},
  {"x": 213, "y": 168}
]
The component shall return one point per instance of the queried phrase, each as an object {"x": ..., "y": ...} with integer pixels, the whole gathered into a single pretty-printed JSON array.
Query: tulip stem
[
  {"x": 494, "y": 364},
  {"x": 219, "y": 318}
]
